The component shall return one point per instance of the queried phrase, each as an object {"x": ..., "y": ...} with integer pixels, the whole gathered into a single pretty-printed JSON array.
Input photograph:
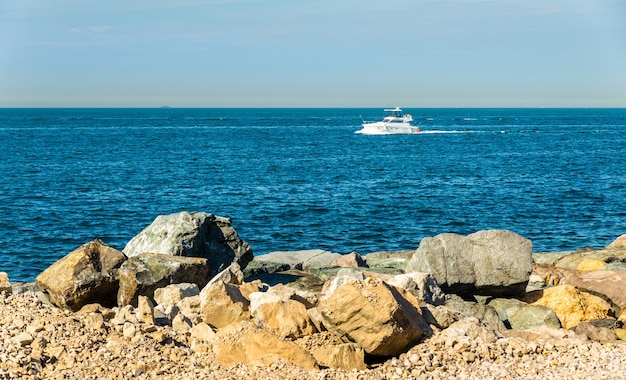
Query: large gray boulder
[
  {"x": 145, "y": 273},
  {"x": 193, "y": 234},
  {"x": 492, "y": 262}
]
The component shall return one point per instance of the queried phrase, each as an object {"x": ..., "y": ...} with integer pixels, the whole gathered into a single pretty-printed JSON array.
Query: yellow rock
[
  {"x": 591, "y": 264},
  {"x": 346, "y": 356},
  {"x": 287, "y": 319},
  {"x": 573, "y": 306},
  {"x": 245, "y": 343},
  {"x": 222, "y": 304},
  {"x": 621, "y": 333}
]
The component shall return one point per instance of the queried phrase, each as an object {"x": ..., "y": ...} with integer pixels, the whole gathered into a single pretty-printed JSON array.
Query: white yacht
[{"x": 395, "y": 122}]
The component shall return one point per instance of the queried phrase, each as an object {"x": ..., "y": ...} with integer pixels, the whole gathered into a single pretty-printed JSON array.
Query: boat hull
[{"x": 381, "y": 128}]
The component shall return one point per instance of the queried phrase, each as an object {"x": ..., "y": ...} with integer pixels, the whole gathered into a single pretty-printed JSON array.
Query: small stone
[
  {"x": 23, "y": 339},
  {"x": 203, "y": 332},
  {"x": 129, "y": 330},
  {"x": 145, "y": 310},
  {"x": 181, "y": 324},
  {"x": 94, "y": 321}
]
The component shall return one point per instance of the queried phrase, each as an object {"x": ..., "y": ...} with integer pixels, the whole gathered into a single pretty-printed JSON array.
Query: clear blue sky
[{"x": 304, "y": 53}]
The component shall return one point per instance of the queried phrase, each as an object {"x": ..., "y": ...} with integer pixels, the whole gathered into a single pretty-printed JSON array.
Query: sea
[{"x": 295, "y": 179}]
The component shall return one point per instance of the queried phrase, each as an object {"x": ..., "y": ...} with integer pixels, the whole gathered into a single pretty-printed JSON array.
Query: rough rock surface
[
  {"x": 480, "y": 311},
  {"x": 85, "y": 275},
  {"x": 571, "y": 305},
  {"x": 193, "y": 234},
  {"x": 285, "y": 319},
  {"x": 244, "y": 342},
  {"x": 174, "y": 293},
  {"x": 591, "y": 264},
  {"x": 492, "y": 262},
  {"x": 144, "y": 273},
  {"x": 222, "y": 304},
  {"x": 374, "y": 315},
  {"x": 519, "y": 315},
  {"x": 611, "y": 284}
]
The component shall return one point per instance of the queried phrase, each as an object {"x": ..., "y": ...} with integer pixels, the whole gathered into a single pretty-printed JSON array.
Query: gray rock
[
  {"x": 193, "y": 234},
  {"x": 493, "y": 262},
  {"x": 480, "y": 311},
  {"x": 302, "y": 260},
  {"x": 601, "y": 334},
  {"x": 143, "y": 274},
  {"x": 391, "y": 262},
  {"x": 527, "y": 316},
  {"x": 472, "y": 328},
  {"x": 440, "y": 316},
  {"x": 519, "y": 315}
]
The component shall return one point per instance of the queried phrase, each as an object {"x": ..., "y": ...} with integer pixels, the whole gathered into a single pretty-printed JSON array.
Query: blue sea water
[{"x": 294, "y": 179}]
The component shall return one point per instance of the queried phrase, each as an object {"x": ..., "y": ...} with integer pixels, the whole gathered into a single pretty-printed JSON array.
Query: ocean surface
[{"x": 295, "y": 179}]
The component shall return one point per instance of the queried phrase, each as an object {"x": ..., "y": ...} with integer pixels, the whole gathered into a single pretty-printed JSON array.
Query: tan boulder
[
  {"x": 172, "y": 294},
  {"x": 85, "y": 275},
  {"x": 286, "y": 319},
  {"x": 245, "y": 343},
  {"x": 375, "y": 315},
  {"x": 606, "y": 282},
  {"x": 279, "y": 293},
  {"x": 352, "y": 259},
  {"x": 590, "y": 264},
  {"x": 5, "y": 285},
  {"x": 620, "y": 242},
  {"x": 346, "y": 356},
  {"x": 222, "y": 304},
  {"x": 571, "y": 305}
]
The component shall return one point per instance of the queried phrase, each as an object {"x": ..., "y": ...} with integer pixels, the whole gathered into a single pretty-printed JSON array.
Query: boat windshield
[{"x": 395, "y": 112}]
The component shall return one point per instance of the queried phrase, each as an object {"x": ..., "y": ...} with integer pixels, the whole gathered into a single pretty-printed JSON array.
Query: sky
[{"x": 304, "y": 53}]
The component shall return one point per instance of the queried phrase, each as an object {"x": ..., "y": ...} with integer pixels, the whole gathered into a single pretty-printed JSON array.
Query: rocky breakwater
[{"x": 313, "y": 314}]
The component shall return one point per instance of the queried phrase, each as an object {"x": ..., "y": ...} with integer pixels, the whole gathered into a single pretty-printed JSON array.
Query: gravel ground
[{"x": 43, "y": 342}]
